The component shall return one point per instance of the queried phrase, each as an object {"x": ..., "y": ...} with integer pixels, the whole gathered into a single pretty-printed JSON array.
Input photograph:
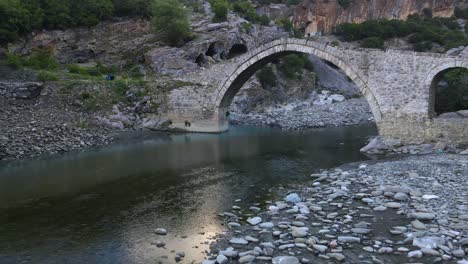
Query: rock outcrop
[
  {"x": 20, "y": 90},
  {"x": 320, "y": 16}
]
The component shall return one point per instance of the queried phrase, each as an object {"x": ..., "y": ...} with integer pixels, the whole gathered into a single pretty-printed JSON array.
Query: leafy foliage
[
  {"x": 246, "y": 10},
  {"x": 220, "y": 9},
  {"x": 372, "y": 43},
  {"x": 454, "y": 96},
  {"x": 170, "y": 19},
  {"x": 132, "y": 7},
  {"x": 420, "y": 30},
  {"x": 22, "y": 16},
  {"x": 40, "y": 59},
  {"x": 461, "y": 13},
  {"x": 293, "y": 65},
  {"x": 266, "y": 76}
]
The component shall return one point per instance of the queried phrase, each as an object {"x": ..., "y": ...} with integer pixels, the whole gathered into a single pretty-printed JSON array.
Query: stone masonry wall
[{"x": 397, "y": 85}]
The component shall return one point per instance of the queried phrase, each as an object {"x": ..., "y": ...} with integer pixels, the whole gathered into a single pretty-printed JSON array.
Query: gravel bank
[
  {"x": 305, "y": 115},
  {"x": 408, "y": 210},
  {"x": 47, "y": 125}
]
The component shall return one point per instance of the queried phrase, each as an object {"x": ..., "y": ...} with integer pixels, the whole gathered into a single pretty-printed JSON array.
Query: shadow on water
[{"x": 103, "y": 204}]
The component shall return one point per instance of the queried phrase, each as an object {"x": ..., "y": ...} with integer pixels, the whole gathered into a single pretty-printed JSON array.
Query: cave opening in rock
[
  {"x": 200, "y": 60},
  {"x": 237, "y": 50},
  {"x": 213, "y": 49},
  {"x": 449, "y": 93}
]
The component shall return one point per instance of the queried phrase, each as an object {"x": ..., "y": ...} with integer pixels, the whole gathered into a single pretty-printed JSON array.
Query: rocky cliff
[{"x": 323, "y": 15}]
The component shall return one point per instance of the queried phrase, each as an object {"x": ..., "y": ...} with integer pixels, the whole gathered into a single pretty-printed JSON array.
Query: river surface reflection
[{"x": 102, "y": 205}]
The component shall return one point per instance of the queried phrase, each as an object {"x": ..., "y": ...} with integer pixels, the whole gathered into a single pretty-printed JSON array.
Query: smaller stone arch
[
  {"x": 247, "y": 65},
  {"x": 431, "y": 79}
]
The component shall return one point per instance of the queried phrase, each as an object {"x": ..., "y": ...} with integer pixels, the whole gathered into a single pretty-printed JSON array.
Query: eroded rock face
[
  {"x": 323, "y": 16},
  {"x": 215, "y": 42},
  {"x": 110, "y": 42},
  {"x": 20, "y": 90}
]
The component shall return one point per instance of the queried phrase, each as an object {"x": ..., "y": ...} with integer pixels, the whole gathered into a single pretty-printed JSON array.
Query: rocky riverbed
[
  {"x": 47, "y": 125},
  {"x": 411, "y": 209},
  {"x": 305, "y": 115}
]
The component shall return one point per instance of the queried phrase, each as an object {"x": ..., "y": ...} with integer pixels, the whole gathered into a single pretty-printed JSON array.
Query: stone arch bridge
[{"x": 397, "y": 84}]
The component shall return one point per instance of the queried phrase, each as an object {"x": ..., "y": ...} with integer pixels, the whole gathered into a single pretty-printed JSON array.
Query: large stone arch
[
  {"x": 247, "y": 65},
  {"x": 430, "y": 81}
]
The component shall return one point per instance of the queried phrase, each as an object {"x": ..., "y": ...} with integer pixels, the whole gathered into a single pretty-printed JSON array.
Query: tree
[
  {"x": 90, "y": 12},
  {"x": 15, "y": 20},
  {"x": 220, "y": 9},
  {"x": 170, "y": 20},
  {"x": 132, "y": 7},
  {"x": 56, "y": 14}
]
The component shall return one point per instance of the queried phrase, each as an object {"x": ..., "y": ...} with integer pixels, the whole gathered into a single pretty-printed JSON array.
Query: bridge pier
[{"x": 415, "y": 130}]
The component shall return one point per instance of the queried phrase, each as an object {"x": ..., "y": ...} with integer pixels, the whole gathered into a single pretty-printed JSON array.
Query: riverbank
[
  {"x": 48, "y": 125},
  {"x": 407, "y": 209},
  {"x": 306, "y": 115}
]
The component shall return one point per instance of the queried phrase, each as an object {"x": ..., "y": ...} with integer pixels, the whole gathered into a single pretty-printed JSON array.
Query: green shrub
[
  {"x": 73, "y": 68},
  {"x": 285, "y": 23},
  {"x": 293, "y": 65},
  {"x": 90, "y": 12},
  {"x": 247, "y": 26},
  {"x": 120, "y": 88},
  {"x": 41, "y": 59},
  {"x": 220, "y": 9},
  {"x": 170, "y": 19},
  {"x": 372, "y": 43},
  {"x": 85, "y": 95},
  {"x": 453, "y": 97},
  {"x": 13, "y": 61},
  {"x": 45, "y": 76},
  {"x": 246, "y": 10},
  {"x": 20, "y": 17},
  {"x": 132, "y": 7},
  {"x": 15, "y": 20},
  {"x": 461, "y": 13},
  {"x": 423, "y": 46},
  {"x": 266, "y": 76},
  {"x": 418, "y": 29}
]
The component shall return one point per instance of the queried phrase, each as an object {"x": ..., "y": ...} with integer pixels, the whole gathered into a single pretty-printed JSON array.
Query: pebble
[
  {"x": 422, "y": 215},
  {"x": 418, "y": 225},
  {"x": 267, "y": 225},
  {"x": 285, "y": 260},
  {"x": 415, "y": 254},
  {"x": 299, "y": 231},
  {"x": 160, "y": 231},
  {"x": 238, "y": 241},
  {"x": 385, "y": 250},
  {"x": 393, "y": 205},
  {"x": 247, "y": 259},
  {"x": 368, "y": 249},
  {"x": 221, "y": 259},
  {"x": 349, "y": 239},
  {"x": 337, "y": 256},
  {"x": 254, "y": 221},
  {"x": 459, "y": 253},
  {"x": 320, "y": 248},
  {"x": 401, "y": 196}
]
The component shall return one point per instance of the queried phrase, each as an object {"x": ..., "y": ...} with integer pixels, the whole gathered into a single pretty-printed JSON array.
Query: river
[{"x": 102, "y": 205}]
